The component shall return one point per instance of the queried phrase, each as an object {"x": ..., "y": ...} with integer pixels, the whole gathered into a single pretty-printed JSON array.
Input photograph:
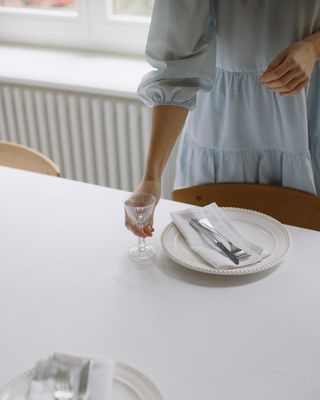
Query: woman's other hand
[
  {"x": 291, "y": 70},
  {"x": 145, "y": 186}
]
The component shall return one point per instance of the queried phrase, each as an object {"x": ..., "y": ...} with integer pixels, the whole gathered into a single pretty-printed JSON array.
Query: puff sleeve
[{"x": 181, "y": 49}]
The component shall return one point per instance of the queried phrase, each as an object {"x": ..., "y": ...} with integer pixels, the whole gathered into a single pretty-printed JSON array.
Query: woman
[{"x": 245, "y": 77}]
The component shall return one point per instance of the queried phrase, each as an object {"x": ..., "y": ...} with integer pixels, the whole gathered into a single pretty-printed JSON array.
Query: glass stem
[{"x": 142, "y": 245}]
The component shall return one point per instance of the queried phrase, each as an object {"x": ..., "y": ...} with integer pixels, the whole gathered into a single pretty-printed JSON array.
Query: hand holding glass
[{"x": 139, "y": 208}]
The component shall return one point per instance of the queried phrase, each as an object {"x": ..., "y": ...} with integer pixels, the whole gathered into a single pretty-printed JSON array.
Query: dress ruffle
[
  {"x": 199, "y": 165},
  {"x": 243, "y": 132}
]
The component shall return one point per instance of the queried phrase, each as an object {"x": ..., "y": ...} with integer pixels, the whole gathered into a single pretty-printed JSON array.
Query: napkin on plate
[
  {"x": 100, "y": 377},
  {"x": 213, "y": 255}
]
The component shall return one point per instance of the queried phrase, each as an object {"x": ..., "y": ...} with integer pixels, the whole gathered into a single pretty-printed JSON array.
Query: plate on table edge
[
  {"x": 171, "y": 234},
  {"x": 125, "y": 376}
]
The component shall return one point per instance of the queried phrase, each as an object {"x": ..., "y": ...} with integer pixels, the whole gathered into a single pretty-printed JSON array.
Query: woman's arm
[
  {"x": 167, "y": 123},
  {"x": 181, "y": 50},
  {"x": 291, "y": 70}
]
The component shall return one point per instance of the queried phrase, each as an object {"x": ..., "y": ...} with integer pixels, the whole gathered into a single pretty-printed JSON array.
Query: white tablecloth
[{"x": 66, "y": 284}]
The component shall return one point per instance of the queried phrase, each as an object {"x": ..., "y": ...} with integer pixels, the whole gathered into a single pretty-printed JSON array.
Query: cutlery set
[
  {"x": 234, "y": 253},
  {"x": 64, "y": 390}
]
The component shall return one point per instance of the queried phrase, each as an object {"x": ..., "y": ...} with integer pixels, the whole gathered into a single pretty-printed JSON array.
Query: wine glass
[{"x": 139, "y": 208}]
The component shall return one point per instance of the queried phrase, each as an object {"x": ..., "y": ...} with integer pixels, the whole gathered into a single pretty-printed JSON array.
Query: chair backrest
[
  {"x": 22, "y": 157},
  {"x": 289, "y": 206}
]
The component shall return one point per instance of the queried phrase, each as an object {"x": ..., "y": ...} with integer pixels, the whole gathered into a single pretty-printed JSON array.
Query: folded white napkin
[
  {"x": 100, "y": 377},
  {"x": 213, "y": 255}
]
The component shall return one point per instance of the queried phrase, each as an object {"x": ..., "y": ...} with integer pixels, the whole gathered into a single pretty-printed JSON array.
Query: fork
[
  {"x": 63, "y": 389},
  {"x": 213, "y": 240},
  {"x": 237, "y": 251}
]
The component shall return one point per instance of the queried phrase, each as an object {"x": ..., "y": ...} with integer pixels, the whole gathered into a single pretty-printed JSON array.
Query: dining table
[{"x": 67, "y": 285}]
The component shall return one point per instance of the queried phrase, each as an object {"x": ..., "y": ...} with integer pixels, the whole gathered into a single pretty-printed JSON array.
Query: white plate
[
  {"x": 128, "y": 384},
  {"x": 255, "y": 226}
]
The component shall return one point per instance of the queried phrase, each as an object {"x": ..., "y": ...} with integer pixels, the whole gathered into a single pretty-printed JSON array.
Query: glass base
[{"x": 142, "y": 256}]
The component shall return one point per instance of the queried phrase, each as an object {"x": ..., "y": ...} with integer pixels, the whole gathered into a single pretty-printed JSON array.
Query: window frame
[{"x": 92, "y": 26}]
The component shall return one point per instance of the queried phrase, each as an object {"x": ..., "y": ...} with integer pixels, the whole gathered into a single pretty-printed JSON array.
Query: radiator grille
[{"x": 93, "y": 138}]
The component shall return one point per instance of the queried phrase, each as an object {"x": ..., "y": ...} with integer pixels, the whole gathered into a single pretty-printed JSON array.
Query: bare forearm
[
  {"x": 167, "y": 123},
  {"x": 314, "y": 40}
]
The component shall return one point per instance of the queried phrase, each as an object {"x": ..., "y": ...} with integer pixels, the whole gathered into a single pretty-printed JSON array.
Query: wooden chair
[
  {"x": 18, "y": 156},
  {"x": 289, "y": 206}
]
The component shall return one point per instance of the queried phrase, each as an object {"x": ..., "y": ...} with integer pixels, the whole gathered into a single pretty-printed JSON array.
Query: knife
[
  {"x": 83, "y": 383},
  {"x": 208, "y": 234}
]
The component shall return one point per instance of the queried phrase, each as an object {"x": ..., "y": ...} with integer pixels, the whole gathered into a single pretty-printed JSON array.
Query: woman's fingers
[
  {"x": 291, "y": 87},
  {"x": 291, "y": 70},
  {"x": 278, "y": 62},
  {"x": 148, "y": 229},
  {"x": 146, "y": 232},
  {"x": 295, "y": 90},
  {"x": 283, "y": 81},
  {"x": 286, "y": 84},
  {"x": 278, "y": 72},
  {"x": 132, "y": 228}
]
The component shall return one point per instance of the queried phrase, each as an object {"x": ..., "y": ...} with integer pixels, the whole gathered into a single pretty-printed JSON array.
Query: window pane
[
  {"x": 56, "y": 4},
  {"x": 133, "y": 7}
]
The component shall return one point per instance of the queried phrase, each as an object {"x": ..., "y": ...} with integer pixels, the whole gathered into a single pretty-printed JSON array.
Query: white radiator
[{"x": 93, "y": 138}]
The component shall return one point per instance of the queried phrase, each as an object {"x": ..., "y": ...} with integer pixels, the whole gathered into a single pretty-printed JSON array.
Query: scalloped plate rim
[
  {"x": 121, "y": 366},
  {"x": 259, "y": 267}
]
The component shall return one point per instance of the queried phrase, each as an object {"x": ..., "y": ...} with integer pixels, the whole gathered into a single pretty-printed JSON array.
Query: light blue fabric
[{"x": 208, "y": 56}]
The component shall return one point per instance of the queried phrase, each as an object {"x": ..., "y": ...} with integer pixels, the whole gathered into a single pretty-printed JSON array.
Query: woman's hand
[
  {"x": 145, "y": 186},
  {"x": 291, "y": 70}
]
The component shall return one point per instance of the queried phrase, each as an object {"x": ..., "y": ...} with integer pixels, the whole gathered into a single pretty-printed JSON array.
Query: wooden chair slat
[
  {"x": 289, "y": 206},
  {"x": 22, "y": 157}
]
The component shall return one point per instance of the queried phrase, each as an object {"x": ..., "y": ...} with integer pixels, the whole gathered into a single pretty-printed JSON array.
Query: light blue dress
[{"x": 208, "y": 56}]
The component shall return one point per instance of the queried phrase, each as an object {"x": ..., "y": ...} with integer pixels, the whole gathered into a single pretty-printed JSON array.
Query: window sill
[{"x": 72, "y": 70}]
